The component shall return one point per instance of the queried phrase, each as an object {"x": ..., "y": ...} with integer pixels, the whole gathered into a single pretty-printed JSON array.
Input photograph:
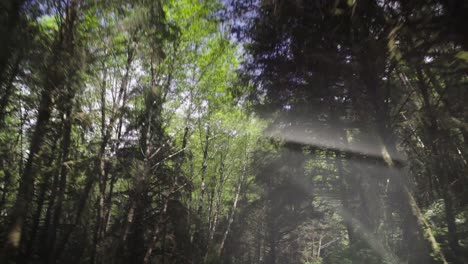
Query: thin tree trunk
[
  {"x": 6, "y": 183},
  {"x": 272, "y": 240},
  {"x": 219, "y": 196},
  {"x": 7, "y": 43},
  {"x": 100, "y": 165},
  {"x": 344, "y": 194},
  {"x": 234, "y": 207},
  {"x": 424, "y": 237},
  {"x": 108, "y": 203},
  {"x": 139, "y": 198},
  {"x": 211, "y": 197},
  {"x": 156, "y": 234},
  {"x": 4, "y": 101},
  {"x": 319, "y": 248},
  {"x": 203, "y": 173},
  {"x": 47, "y": 228},
  {"x": 101, "y": 205},
  {"x": 62, "y": 182},
  {"x": 40, "y": 204},
  {"x": 106, "y": 133},
  {"x": 53, "y": 80},
  {"x": 432, "y": 130},
  {"x": 90, "y": 179},
  {"x": 26, "y": 188}
]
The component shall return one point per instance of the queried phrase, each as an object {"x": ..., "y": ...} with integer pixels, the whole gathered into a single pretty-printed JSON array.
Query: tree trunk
[
  {"x": 8, "y": 92},
  {"x": 219, "y": 195},
  {"x": 424, "y": 242},
  {"x": 90, "y": 179},
  {"x": 203, "y": 173},
  {"x": 6, "y": 183},
  {"x": 433, "y": 130},
  {"x": 234, "y": 207},
  {"x": 344, "y": 194},
  {"x": 7, "y": 43},
  {"x": 62, "y": 182},
  {"x": 272, "y": 240},
  {"x": 40, "y": 204},
  {"x": 26, "y": 188},
  {"x": 54, "y": 79},
  {"x": 106, "y": 133},
  {"x": 48, "y": 228}
]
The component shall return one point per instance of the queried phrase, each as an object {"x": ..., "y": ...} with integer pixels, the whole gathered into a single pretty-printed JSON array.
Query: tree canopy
[{"x": 260, "y": 132}]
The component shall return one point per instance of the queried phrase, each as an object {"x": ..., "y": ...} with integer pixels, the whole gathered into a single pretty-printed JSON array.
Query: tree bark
[
  {"x": 234, "y": 207},
  {"x": 344, "y": 195},
  {"x": 26, "y": 188},
  {"x": 53, "y": 80},
  {"x": 203, "y": 173},
  {"x": 81, "y": 205},
  {"x": 219, "y": 195},
  {"x": 62, "y": 182},
  {"x": 4, "y": 101},
  {"x": 7, "y": 43},
  {"x": 424, "y": 241},
  {"x": 106, "y": 133},
  {"x": 433, "y": 130},
  {"x": 40, "y": 204}
]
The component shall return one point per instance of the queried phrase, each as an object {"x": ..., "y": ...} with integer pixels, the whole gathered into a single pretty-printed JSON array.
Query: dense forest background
[{"x": 245, "y": 131}]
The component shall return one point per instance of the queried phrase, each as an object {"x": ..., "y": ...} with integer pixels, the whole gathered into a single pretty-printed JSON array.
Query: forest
[{"x": 234, "y": 131}]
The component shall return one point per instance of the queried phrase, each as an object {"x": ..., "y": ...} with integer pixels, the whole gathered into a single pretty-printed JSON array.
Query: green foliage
[
  {"x": 144, "y": 132},
  {"x": 48, "y": 25}
]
